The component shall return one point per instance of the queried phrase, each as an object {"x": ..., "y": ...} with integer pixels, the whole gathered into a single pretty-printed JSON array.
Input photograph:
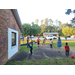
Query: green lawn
[
  {"x": 71, "y": 45},
  {"x": 67, "y": 61},
  {"x": 28, "y": 49}
]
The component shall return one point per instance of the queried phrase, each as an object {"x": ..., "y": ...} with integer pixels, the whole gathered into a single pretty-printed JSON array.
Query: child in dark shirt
[
  {"x": 67, "y": 49},
  {"x": 31, "y": 48}
]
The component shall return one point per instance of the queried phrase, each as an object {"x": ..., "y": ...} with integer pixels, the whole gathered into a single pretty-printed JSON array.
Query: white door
[{"x": 12, "y": 42}]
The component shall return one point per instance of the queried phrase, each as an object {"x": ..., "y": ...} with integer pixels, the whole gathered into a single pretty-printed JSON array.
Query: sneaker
[
  {"x": 51, "y": 49},
  {"x": 32, "y": 53}
]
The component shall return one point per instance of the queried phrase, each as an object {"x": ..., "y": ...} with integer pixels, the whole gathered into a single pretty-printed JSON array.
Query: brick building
[{"x": 10, "y": 28}]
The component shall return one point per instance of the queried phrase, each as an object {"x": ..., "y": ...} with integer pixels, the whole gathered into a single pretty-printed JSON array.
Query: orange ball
[{"x": 72, "y": 56}]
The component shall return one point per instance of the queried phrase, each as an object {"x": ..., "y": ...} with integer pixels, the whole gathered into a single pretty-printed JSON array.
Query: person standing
[
  {"x": 27, "y": 41},
  {"x": 23, "y": 39},
  {"x": 38, "y": 41},
  {"x": 51, "y": 44},
  {"x": 43, "y": 41},
  {"x": 67, "y": 49},
  {"x": 59, "y": 44}
]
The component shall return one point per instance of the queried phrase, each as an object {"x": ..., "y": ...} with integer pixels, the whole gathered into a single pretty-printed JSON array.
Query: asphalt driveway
[{"x": 43, "y": 52}]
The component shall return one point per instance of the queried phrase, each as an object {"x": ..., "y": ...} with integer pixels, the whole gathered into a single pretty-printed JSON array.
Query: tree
[
  {"x": 46, "y": 24},
  {"x": 59, "y": 22},
  {"x": 54, "y": 28},
  {"x": 32, "y": 23},
  {"x": 56, "y": 21},
  {"x": 41, "y": 22},
  {"x": 62, "y": 26},
  {"x": 26, "y": 28},
  {"x": 48, "y": 29},
  {"x": 35, "y": 29},
  {"x": 46, "y": 21},
  {"x": 43, "y": 28},
  {"x": 36, "y": 21},
  {"x": 51, "y": 22},
  {"x": 73, "y": 31},
  {"x": 67, "y": 31},
  {"x": 68, "y": 12},
  {"x": 70, "y": 25}
]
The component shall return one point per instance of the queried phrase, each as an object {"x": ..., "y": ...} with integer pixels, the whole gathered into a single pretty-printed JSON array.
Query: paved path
[{"x": 43, "y": 52}]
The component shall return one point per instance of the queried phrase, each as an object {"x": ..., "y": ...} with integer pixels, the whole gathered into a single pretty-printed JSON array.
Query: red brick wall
[{"x": 7, "y": 20}]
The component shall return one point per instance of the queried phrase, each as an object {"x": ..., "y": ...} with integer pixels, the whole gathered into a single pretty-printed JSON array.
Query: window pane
[{"x": 13, "y": 39}]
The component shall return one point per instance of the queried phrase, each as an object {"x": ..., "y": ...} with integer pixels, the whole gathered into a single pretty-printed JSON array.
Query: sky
[{"x": 30, "y": 15}]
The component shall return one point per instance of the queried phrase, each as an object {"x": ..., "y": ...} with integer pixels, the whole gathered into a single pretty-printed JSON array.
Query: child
[
  {"x": 31, "y": 48},
  {"x": 23, "y": 39},
  {"x": 67, "y": 49},
  {"x": 38, "y": 41},
  {"x": 51, "y": 44},
  {"x": 27, "y": 41},
  {"x": 43, "y": 41}
]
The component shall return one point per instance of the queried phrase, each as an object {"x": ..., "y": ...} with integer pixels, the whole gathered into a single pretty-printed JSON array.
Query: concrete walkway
[{"x": 43, "y": 52}]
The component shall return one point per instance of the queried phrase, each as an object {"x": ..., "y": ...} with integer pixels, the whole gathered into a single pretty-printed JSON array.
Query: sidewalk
[{"x": 43, "y": 52}]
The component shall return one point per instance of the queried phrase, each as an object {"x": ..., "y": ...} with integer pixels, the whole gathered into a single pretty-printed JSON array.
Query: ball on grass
[{"x": 72, "y": 56}]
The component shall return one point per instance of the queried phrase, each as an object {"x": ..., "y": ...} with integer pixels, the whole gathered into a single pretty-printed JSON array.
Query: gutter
[{"x": 16, "y": 15}]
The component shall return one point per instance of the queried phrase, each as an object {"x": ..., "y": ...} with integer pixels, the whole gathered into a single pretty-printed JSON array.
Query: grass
[
  {"x": 70, "y": 43},
  {"x": 67, "y": 61},
  {"x": 28, "y": 49}
]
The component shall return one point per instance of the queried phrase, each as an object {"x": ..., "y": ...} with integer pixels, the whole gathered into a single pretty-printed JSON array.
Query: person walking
[{"x": 59, "y": 44}]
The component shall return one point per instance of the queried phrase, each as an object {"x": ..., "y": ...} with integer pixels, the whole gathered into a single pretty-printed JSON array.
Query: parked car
[
  {"x": 32, "y": 36},
  {"x": 68, "y": 36},
  {"x": 50, "y": 37},
  {"x": 38, "y": 36},
  {"x": 29, "y": 36},
  {"x": 73, "y": 36}
]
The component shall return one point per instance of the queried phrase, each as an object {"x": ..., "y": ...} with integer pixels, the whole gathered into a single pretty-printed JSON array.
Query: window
[
  {"x": 13, "y": 38},
  {"x": 54, "y": 35}
]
